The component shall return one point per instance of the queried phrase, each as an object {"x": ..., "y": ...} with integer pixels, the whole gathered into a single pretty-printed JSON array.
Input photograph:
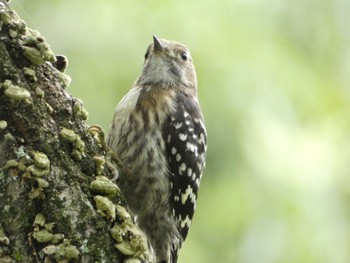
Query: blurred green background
[{"x": 274, "y": 88}]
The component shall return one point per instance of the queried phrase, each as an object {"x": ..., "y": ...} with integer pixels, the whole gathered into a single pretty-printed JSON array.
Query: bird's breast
[{"x": 139, "y": 120}]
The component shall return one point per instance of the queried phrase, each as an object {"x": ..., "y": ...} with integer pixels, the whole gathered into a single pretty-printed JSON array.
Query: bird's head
[{"x": 168, "y": 63}]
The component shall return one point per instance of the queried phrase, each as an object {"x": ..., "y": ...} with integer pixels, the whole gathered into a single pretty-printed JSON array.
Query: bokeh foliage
[{"x": 274, "y": 87}]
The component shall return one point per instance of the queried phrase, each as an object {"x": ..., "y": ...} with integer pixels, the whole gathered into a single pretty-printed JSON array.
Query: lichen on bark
[{"x": 52, "y": 167}]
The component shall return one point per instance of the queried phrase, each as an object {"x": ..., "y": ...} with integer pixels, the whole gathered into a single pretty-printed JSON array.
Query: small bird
[{"x": 158, "y": 133}]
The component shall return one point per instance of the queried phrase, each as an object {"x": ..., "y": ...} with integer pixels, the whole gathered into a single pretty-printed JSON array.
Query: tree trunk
[{"x": 56, "y": 201}]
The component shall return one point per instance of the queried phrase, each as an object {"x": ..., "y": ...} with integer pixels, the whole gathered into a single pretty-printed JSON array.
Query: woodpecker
[{"x": 158, "y": 133}]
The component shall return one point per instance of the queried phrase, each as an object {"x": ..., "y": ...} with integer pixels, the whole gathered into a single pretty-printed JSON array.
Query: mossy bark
[{"x": 48, "y": 160}]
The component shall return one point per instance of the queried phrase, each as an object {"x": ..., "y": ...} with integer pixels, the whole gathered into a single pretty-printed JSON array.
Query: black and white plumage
[{"x": 158, "y": 133}]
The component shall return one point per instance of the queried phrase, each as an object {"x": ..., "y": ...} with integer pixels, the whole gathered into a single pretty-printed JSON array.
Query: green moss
[{"x": 17, "y": 255}]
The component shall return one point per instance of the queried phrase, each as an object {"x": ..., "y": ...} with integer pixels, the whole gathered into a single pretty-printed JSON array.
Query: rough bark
[{"x": 56, "y": 201}]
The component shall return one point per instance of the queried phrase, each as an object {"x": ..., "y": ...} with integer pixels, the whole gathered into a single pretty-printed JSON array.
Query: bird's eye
[{"x": 184, "y": 56}]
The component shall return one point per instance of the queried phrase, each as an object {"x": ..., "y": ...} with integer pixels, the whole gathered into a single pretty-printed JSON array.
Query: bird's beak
[{"x": 157, "y": 45}]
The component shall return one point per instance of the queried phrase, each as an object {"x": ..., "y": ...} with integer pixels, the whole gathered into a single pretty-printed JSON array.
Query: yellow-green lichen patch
[
  {"x": 119, "y": 231},
  {"x": 32, "y": 38},
  {"x": 125, "y": 249},
  {"x": 69, "y": 251},
  {"x": 4, "y": 240},
  {"x": 5, "y": 17},
  {"x": 42, "y": 236},
  {"x": 123, "y": 214},
  {"x": 43, "y": 233},
  {"x": 99, "y": 163},
  {"x": 30, "y": 73},
  {"x": 63, "y": 252},
  {"x": 46, "y": 51},
  {"x": 13, "y": 33},
  {"x": 57, "y": 238},
  {"x": 79, "y": 111},
  {"x": 11, "y": 164},
  {"x": 36, "y": 193},
  {"x": 42, "y": 183},
  {"x": 50, "y": 249},
  {"x": 105, "y": 207},
  {"x": 103, "y": 186},
  {"x": 79, "y": 145},
  {"x": 37, "y": 171},
  {"x": 35, "y": 49},
  {"x": 33, "y": 55},
  {"x": 68, "y": 135},
  {"x": 50, "y": 226},
  {"x": 64, "y": 79},
  {"x": 39, "y": 220},
  {"x": 39, "y": 92},
  {"x": 23, "y": 163},
  {"x": 10, "y": 18},
  {"x": 15, "y": 92},
  {"x": 3, "y": 125},
  {"x": 49, "y": 108},
  {"x": 41, "y": 160},
  {"x": 132, "y": 260},
  {"x": 9, "y": 137},
  {"x": 130, "y": 241}
]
